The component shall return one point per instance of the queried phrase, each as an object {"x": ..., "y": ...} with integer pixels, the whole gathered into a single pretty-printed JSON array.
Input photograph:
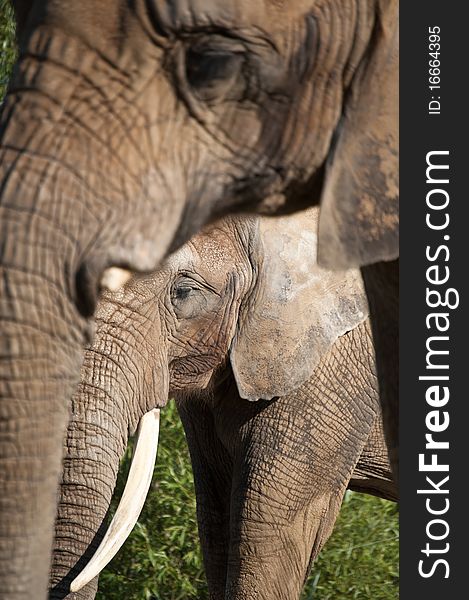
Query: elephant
[
  {"x": 241, "y": 313},
  {"x": 125, "y": 128}
]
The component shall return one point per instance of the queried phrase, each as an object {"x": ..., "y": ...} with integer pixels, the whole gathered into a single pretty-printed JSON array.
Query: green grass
[
  {"x": 162, "y": 561},
  {"x": 7, "y": 44},
  {"x": 360, "y": 559}
]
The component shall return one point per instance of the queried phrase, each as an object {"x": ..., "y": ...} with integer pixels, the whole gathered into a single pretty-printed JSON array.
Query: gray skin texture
[
  {"x": 128, "y": 125},
  {"x": 238, "y": 311},
  {"x": 270, "y": 476}
]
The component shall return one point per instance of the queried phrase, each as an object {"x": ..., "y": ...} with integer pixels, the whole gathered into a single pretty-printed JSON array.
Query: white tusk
[
  {"x": 114, "y": 278},
  {"x": 132, "y": 501}
]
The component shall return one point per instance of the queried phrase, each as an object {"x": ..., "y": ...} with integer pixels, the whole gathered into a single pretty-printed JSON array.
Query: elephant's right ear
[
  {"x": 359, "y": 220},
  {"x": 296, "y": 312}
]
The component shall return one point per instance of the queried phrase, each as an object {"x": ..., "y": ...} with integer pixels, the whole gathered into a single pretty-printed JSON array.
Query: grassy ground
[
  {"x": 161, "y": 560},
  {"x": 7, "y": 44},
  {"x": 360, "y": 560}
]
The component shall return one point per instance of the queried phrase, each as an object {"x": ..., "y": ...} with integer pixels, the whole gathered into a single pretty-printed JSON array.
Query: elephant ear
[
  {"x": 296, "y": 311},
  {"x": 359, "y": 218}
]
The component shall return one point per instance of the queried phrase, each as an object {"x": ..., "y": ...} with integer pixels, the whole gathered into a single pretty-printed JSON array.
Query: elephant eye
[
  {"x": 211, "y": 71},
  {"x": 182, "y": 292},
  {"x": 203, "y": 68},
  {"x": 187, "y": 298},
  {"x": 191, "y": 299}
]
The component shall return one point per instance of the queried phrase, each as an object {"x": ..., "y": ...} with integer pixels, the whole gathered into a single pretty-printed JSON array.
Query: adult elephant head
[
  {"x": 242, "y": 305},
  {"x": 126, "y": 126}
]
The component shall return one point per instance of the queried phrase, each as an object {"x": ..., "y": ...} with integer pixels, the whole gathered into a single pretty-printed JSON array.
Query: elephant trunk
[
  {"x": 106, "y": 409},
  {"x": 44, "y": 309},
  {"x": 59, "y": 216},
  {"x": 41, "y": 339},
  {"x": 96, "y": 440}
]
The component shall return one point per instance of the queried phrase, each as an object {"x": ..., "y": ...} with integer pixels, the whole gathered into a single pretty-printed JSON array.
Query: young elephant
[{"x": 242, "y": 312}]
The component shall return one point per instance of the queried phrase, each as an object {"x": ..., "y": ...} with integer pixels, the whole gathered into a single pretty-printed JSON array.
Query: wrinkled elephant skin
[
  {"x": 242, "y": 311},
  {"x": 126, "y": 127}
]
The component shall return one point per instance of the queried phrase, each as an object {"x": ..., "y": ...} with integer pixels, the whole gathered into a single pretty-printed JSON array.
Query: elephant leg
[
  {"x": 212, "y": 468},
  {"x": 225, "y": 528},
  {"x": 283, "y": 502},
  {"x": 372, "y": 474},
  {"x": 271, "y": 551},
  {"x": 382, "y": 288},
  {"x": 292, "y": 464}
]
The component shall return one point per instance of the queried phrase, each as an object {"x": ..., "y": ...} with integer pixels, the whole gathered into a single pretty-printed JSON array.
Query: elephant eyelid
[
  {"x": 210, "y": 73},
  {"x": 210, "y": 65},
  {"x": 229, "y": 39},
  {"x": 215, "y": 42},
  {"x": 187, "y": 290},
  {"x": 184, "y": 283},
  {"x": 196, "y": 281}
]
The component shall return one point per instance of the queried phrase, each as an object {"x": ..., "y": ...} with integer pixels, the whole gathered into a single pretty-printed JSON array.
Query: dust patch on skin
[
  {"x": 388, "y": 168},
  {"x": 301, "y": 310},
  {"x": 379, "y": 215},
  {"x": 374, "y": 220},
  {"x": 293, "y": 240}
]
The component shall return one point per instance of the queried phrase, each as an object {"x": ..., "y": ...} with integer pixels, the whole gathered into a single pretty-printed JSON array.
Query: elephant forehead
[
  {"x": 214, "y": 252},
  {"x": 181, "y": 259}
]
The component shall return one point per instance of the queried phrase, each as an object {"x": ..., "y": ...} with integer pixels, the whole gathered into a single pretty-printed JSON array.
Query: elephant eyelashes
[{"x": 181, "y": 293}]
